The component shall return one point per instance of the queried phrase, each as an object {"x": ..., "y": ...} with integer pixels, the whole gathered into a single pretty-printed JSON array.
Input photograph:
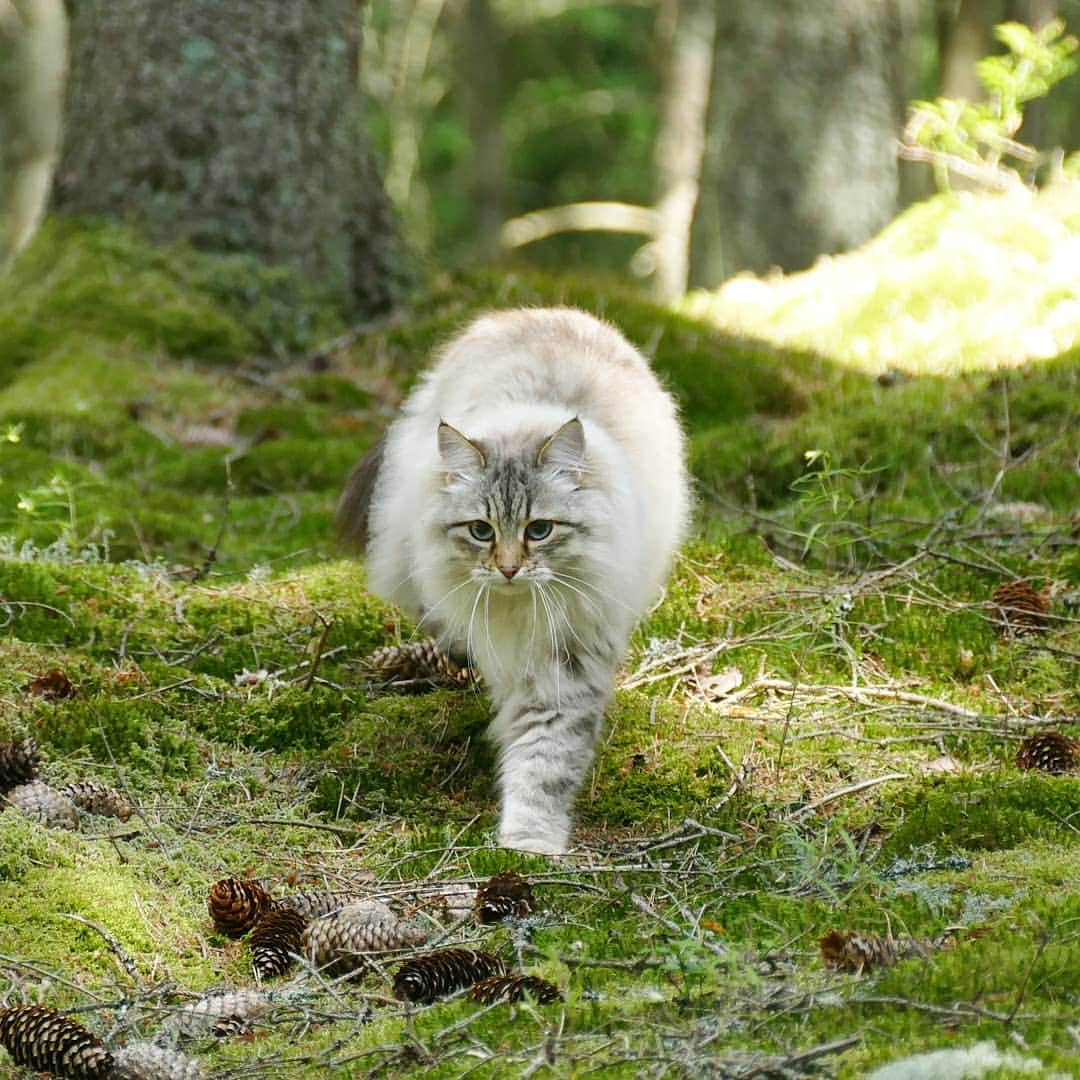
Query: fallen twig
[
  {"x": 121, "y": 953},
  {"x": 853, "y": 692},
  {"x": 851, "y": 789}
]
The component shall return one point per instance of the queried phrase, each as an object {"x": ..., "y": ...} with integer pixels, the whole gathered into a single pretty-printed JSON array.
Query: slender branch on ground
[{"x": 851, "y": 789}]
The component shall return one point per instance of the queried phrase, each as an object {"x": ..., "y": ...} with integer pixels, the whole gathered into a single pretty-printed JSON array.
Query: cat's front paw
[{"x": 555, "y": 842}]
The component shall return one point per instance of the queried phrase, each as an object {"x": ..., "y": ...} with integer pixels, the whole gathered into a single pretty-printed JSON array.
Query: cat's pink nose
[{"x": 508, "y": 571}]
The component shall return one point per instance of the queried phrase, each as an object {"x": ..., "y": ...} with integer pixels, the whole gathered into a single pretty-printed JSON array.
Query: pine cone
[
  {"x": 98, "y": 799},
  {"x": 314, "y": 905},
  {"x": 41, "y": 1039},
  {"x": 415, "y": 661},
  {"x": 514, "y": 988},
  {"x": 424, "y": 978},
  {"x": 47, "y": 804},
  {"x": 52, "y": 686},
  {"x": 1018, "y": 609},
  {"x": 456, "y": 901},
  {"x": 1049, "y": 751},
  {"x": 275, "y": 941},
  {"x": 849, "y": 951},
  {"x": 339, "y": 941},
  {"x": 220, "y": 1014},
  {"x": 236, "y": 905},
  {"x": 504, "y": 896},
  {"x": 148, "y": 1061},
  {"x": 19, "y": 761}
]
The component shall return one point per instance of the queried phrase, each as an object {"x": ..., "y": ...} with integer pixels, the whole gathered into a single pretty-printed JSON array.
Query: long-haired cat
[{"x": 525, "y": 508}]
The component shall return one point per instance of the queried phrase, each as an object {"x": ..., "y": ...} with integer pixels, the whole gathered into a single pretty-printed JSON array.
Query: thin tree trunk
[
  {"x": 1037, "y": 129},
  {"x": 680, "y": 141},
  {"x": 481, "y": 80},
  {"x": 33, "y": 59},
  {"x": 964, "y": 39},
  {"x": 414, "y": 41},
  {"x": 239, "y": 132}
]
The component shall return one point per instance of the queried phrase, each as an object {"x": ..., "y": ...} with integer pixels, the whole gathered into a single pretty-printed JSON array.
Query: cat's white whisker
[
  {"x": 469, "y": 651},
  {"x": 560, "y": 609},
  {"x": 530, "y": 650},
  {"x": 592, "y": 604},
  {"x": 424, "y": 617},
  {"x": 603, "y": 594},
  {"x": 550, "y": 634}
]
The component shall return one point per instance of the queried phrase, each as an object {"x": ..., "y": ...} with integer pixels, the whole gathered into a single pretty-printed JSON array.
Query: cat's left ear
[{"x": 565, "y": 450}]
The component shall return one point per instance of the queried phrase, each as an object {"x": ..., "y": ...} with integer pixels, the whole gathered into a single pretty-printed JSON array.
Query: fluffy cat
[{"x": 525, "y": 508}]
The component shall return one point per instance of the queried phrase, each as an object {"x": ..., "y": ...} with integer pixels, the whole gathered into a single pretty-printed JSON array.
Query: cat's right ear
[{"x": 460, "y": 455}]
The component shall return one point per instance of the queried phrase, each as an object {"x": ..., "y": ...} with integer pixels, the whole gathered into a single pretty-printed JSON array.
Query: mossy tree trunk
[
  {"x": 238, "y": 129},
  {"x": 806, "y": 109}
]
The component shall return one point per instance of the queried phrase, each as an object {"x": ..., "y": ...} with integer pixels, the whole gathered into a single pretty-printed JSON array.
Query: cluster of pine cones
[
  {"x": 333, "y": 930},
  {"x": 338, "y": 932},
  {"x": 342, "y": 933},
  {"x": 59, "y": 808}
]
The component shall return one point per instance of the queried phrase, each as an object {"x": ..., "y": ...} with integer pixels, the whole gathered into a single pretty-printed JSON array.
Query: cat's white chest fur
[{"x": 526, "y": 510}]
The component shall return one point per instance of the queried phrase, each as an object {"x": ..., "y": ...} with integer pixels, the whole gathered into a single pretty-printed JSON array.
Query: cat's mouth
[{"x": 502, "y": 584}]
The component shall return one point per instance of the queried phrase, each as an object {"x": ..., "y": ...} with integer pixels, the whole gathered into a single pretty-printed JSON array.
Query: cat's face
[{"x": 513, "y": 519}]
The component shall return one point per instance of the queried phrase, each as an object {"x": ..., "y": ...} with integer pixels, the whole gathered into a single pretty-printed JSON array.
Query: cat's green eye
[
  {"x": 538, "y": 530},
  {"x": 482, "y": 531}
]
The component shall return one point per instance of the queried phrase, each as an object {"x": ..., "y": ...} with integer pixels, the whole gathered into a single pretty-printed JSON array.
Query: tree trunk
[
  {"x": 806, "y": 108},
  {"x": 963, "y": 40},
  {"x": 1038, "y": 130},
  {"x": 238, "y": 130},
  {"x": 680, "y": 141},
  {"x": 33, "y": 56},
  {"x": 481, "y": 83}
]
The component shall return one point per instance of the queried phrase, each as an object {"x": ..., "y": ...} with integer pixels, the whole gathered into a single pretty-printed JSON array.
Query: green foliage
[
  {"x": 575, "y": 101},
  {"x": 955, "y": 284},
  {"x": 978, "y": 139}
]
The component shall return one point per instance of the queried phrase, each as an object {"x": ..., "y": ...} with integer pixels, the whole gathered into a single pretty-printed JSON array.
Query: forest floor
[{"x": 806, "y": 848}]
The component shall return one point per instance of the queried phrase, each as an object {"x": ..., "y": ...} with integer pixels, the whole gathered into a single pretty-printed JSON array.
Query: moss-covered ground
[{"x": 815, "y": 730}]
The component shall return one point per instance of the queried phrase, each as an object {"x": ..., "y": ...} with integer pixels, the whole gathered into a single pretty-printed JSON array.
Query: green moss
[
  {"x": 104, "y": 280},
  {"x": 145, "y": 734},
  {"x": 397, "y": 755},
  {"x": 93, "y": 888},
  {"x": 85, "y": 277},
  {"x": 27, "y": 843},
  {"x": 979, "y": 814},
  {"x": 332, "y": 390},
  {"x": 287, "y": 465}
]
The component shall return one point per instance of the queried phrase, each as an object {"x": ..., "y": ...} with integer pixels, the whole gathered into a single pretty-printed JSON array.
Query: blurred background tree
[
  {"x": 577, "y": 120},
  {"x": 807, "y": 101},
  {"x": 239, "y": 133},
  {"x": 33, "y": 59}
]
